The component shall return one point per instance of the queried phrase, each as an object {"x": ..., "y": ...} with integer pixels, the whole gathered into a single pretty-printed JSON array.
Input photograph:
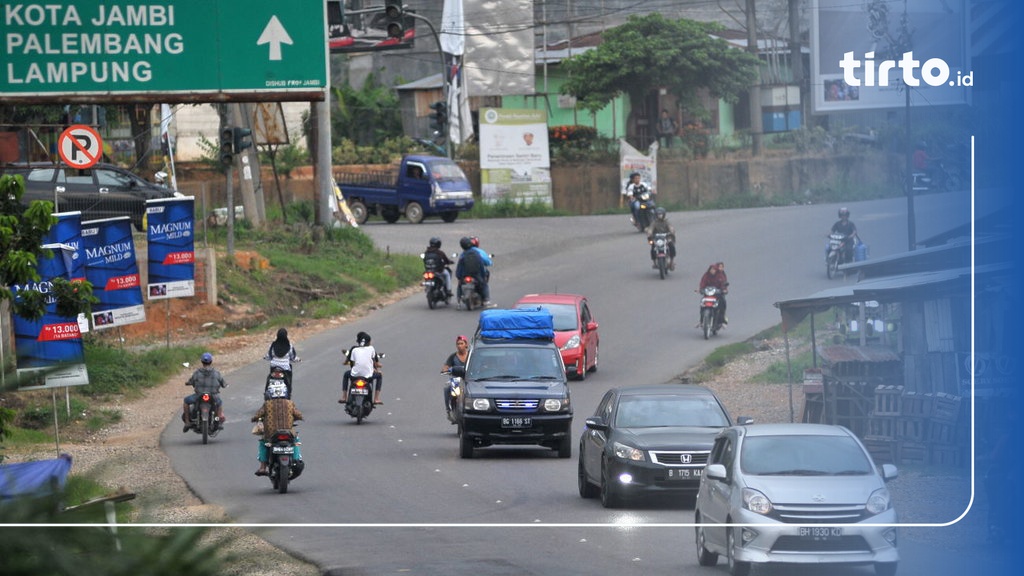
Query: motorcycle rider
[
  {"x": 281, "y": 355},
  {"x": 474, "y": 262},
  {"x": 435, "y": 260},
  {"x": 661, "y": 225},
  {"x": 205, "y": 380},
  {"x": 634, "y": 189},
  {"x": 715, "y": 276},
  {"x": 365, "y": 364},
  {"x": 456, "y": 359},
  {"x": 277, "y": 413},
  {"x": 846, "y": 227}
]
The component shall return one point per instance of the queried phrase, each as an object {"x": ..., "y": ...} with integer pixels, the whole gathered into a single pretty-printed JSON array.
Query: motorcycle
[
  {"x": 360, "y": 397},
  {"x": 204, "y": 418},
  {"x": 283, "y": 467},
  {"x": 469, "y": 293},
  {"x": 943, "y": 178},
  {"x": 645, "y": 211},
  {"x": 660, "y": 248},
  {"x": 433, "y": 284},
  {"x": 710, "y": 319},
  {"x": 837, "y": 252},
  {"x": 451, "y": 395},
  {"x": 277, "y": 378}
]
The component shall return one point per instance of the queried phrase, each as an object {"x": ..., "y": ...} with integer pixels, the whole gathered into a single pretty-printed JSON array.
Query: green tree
[
  {"x": 650, "y": 52},
  {"x": 367, "y": 116}
]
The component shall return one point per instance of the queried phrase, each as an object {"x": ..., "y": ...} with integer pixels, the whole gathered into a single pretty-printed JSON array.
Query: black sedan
[{"x": 649, "y": 440}]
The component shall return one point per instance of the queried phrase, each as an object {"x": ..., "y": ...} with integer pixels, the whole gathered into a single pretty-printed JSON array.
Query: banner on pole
[
  {"x": 111, "y": 267},
  {"x": 171, "y": 241},
  {"x": 52, "y": 345}
]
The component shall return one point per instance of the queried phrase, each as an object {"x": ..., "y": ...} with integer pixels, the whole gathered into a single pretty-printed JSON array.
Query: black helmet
[
  {"x": 844, "y": 212},
  {"x": 435, "y": 242},
  {"x": 632, "y": 174},
  {"x": 363, "y": 339},
  {"x": 282, "y": 334},
  {"x": 659, "y": 212},
  {"x": 466, "y": 243}
]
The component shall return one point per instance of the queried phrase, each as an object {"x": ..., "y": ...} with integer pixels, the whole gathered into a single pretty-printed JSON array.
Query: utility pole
[
  {"x": 243, "y": 148},
  {"x": 756, "y": 122}
]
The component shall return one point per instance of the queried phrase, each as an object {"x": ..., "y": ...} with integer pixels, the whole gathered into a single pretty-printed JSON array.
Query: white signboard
[{"x": 514, "y": 156}]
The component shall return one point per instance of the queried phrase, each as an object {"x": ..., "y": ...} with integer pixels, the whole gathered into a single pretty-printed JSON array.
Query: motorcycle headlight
[
  {"x": 627, "y": 452},
  {"x": 879, "y": 501},
  {"x": 573, "y": 342},
  {"x": 756, "y": 501}
]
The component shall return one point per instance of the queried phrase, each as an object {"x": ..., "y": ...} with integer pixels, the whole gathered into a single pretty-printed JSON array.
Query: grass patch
[
  {"x": 513, "y": 208},
  {"x": 777, "y": 373},
  {"x": 113, "y": 370},
  {"x": 719, "y": 358}
]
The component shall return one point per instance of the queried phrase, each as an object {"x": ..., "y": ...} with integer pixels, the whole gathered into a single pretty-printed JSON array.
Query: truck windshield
[{"x": 446, "y": 170}]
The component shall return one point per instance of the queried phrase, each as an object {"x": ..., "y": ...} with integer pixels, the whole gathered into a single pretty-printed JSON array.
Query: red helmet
[{"x": 475, "y": 241}]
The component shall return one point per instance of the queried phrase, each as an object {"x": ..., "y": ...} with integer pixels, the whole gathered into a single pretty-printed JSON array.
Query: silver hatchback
[{"x": 794, "y": 493}]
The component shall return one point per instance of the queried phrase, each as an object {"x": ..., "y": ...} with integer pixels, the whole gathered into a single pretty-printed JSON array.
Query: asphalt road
[{"x": 392, "y": 495}]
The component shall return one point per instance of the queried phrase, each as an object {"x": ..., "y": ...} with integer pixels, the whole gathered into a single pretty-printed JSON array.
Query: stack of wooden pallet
[{"x": 913, "y": 427}]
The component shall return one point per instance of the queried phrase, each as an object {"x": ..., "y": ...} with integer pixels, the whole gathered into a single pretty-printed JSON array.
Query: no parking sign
[{"x": 80, "y": 146}]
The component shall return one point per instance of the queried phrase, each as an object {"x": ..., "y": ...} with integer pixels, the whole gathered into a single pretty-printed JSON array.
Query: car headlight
[
  {"x": 481, "y": 404},
  {"x": 556, "y": 404},
  {"x": 879, "y": 501},
  {"x": 627, "y": 452},
  {"x": 573, "y": 342},
  {"x": 756, "y": 501}
]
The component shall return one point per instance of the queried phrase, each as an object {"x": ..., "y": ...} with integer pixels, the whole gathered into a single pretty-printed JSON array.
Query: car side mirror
[
  {"x": 458, "y": 371},
  {"x": 889, "y": 472},
  {"x": 715, "y": 472},
  {"x": 591, "y": 326},
  {"x": 597, "y": 423},
  {"x": 744, "y": 420}
]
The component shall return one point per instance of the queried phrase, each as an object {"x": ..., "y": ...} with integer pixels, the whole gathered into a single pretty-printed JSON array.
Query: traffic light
[
  {"x": 439, "y": 117},
  {"x": 394, "y": 13},
  {"x": 242, "y": 139},
  {"x": 227, "y": 145}
]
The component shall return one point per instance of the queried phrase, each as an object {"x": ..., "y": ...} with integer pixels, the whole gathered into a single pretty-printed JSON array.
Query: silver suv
[{"x": 794, "y": 493}]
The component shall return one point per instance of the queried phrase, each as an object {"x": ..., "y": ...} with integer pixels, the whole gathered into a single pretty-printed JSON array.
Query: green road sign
[{"x": 174, "y": 51}]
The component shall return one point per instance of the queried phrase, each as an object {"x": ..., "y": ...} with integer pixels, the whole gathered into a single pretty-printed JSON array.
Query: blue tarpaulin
[
  {"x": 528, "y": 323},
  {"x": 34, "y": 478}
]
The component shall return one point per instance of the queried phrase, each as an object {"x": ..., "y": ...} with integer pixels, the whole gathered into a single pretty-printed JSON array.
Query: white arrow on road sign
[
  {"x": 275, "y": 35},
  {"x": 80, "y": 146}
]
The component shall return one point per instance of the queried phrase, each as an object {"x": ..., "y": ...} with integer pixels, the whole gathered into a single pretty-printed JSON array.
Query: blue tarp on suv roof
[{"x": 527, "y": 323}]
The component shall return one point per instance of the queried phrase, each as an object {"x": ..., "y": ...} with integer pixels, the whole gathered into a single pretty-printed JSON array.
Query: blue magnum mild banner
[
  {"x": 68, "y": 233},
  {"x": 53, "y": 340},
  {"x": 111, "y": 267},
  {"x": 172, "y": 256}
]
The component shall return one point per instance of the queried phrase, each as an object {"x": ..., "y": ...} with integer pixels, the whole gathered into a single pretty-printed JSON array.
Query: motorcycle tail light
[
  {"x": 360, "y": 383},
  {"x": 467, "y": 279},
  {"x": 428, "y": 275},
  {"x": 284, "y": 437},
  {"x": 206, "y": 397}
]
